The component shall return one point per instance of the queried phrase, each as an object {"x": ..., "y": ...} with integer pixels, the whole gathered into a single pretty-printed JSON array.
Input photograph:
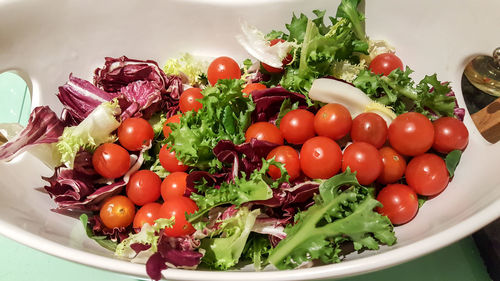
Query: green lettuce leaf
[
  {"x": 225, "y": 246},
  {"x": 398, "y": 90},
  {"x": 226, "y": 114},
  {"x": 338, "y": 215},
  {"x": 93, "y": 131},
  {"x": 147, "y": 236},
  {"x": 257, "y": 250},
  {"x": 101, "y": 240},
  {"x": 237, "y": 192}
]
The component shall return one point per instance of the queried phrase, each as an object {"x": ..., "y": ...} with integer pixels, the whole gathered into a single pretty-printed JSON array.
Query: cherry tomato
[
  {"x": 264, "y": 131},
  {"x": 333, "y": 120},
  {"x": 369, "y": 127},
  {"x": 178, "y": 207},
  {"x": 427, "y": 174},
  {"x": 117, "y": 211},
  {"x": 450, "y": 134},
  {"x": 394, "y": 165},
  {"x": 289, "y": 157},
  {"x": 223, "y": 68},
  {"x": 111, "y": 160},
  {"x": 285, "y": 60},
  {"x": 249, "y": 88},
  {"x": 173, "y": 185},
  {"x": 364, "y": 159},
  {"x": 411, "y": 134},
  {"x": 189, "y": 100},
  {"x": 147, "y": 214},
  {"x": 143, "y": 187},
  {"x": 399, "y": 203},
  {"x": 173, "y": 119},
  {"x": 320, "y": 158},
  {"x": 385, "y": 64},
  {"x": 297, "y": 126},
  {"x": 134, "y": 133},
  {"x": 169, "y": 161}
]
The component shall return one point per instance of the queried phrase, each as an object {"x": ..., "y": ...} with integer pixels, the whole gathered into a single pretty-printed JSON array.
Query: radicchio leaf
[
  {"x": 268, "y": 103},
  {"x": 79, "y": 98},
  {"x": 140, "y": 96},
  {"x": 44, "y": 127},
  {"x": 74, "y": 190},
  {"x": 173, "y": 251},
  {"x": 245, "y": 157}
]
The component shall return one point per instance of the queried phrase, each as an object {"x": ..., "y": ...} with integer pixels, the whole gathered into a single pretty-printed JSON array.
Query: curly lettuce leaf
[
  {"x": 147, "y": 236},
  {"x": 225, "y": 115},
  {"x": 321, "y": 48},
  {"x": 338, "y": 215},
  {"x": 236, "y": 192},
  {"x": 257, "y": 250},
  {"x": 398, "y": 90},
  {"x": 94, "y": 130},
  {"x": 188, "y": 65},
  {"x": 225, "y": 246}
]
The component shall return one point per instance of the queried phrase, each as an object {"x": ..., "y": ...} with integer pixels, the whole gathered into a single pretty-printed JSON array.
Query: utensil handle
[{"x": 487, "y": 121}]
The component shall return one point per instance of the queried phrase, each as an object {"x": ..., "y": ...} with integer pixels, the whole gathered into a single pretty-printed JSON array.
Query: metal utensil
[{"x": 481, "y": 89}]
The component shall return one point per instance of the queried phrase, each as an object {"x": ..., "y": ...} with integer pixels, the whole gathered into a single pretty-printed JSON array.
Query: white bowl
[{"x": 45, "y": 42}]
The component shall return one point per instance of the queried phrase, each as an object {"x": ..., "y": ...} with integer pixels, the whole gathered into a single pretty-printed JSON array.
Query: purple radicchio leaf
[
  {"x": 119, "y": 72},
  {"x": 43, "y": 127},
  {"x": 268, "y": 103},
  {"x": 139, "y": 247},
  {"x": 138, "y": 97},
  {"x": 79, "y": 98},
  {"x": 173, "y": 252},
  {"x": 116, "y": 234},
  {"x": 270, "y": 226},
  {"x": 74, "y": 191},
  {"x": 245, "y": 157},
  {"x": 457, "y": 111}
]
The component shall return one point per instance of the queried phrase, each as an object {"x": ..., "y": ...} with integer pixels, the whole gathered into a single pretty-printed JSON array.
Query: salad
[{"x": 315, "y": 148}]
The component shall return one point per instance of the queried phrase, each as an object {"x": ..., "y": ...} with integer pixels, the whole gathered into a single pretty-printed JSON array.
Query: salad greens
[
  {"x": 242, "y": 213},
  {"x": 338, "y": 215},
  {"x": 398, "y": 90},
  {"x": 321, "y": 45},
  {"x": 225, "y": 114}
]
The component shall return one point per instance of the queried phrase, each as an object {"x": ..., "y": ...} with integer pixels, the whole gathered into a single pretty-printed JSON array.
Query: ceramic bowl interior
[{"x": 46, "y": 41}]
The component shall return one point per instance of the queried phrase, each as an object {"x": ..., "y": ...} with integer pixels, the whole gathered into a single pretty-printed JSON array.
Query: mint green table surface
[{"x": 458, "y": 262}]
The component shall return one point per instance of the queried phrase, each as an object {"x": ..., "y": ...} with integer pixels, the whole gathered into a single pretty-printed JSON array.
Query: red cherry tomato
[
  {"x": 411, "y": 134},
  {"x": 147, "y": 214},
  {"x": 178, "y": 207},
  {"x": 111, "y": 160},
  {"x": 134, "y": 133},
  {"x": 369, "y": 127},
  {"x": 249, "y": 88},
  {"x": 364, "y": 159},
  {"x": 385, "y": 64},
  {"x": 289, "y": 157},
  {"x": 173, "y": 119},
  {"x": 264, "y": 131},
  {"x": 297, "y": 126},
  {"x": 143, "y": 187},
  {"x": 320, "y": 158},
  {"x": 189, "y": 100},
  {"x": 399, "y": 203},
  {"x": 169, "y": 161},
  {"x": 223, "y": 68},
  {"x": 427, "y": 174},
  {"x": 450, "y": 134},
  {"x": 285, "y": 61},
  {"x": 173, "y": 185},
  {"x": 394, "y": 166},
  {"x": 117, "y": 211},
  {"x": 333, "y": 120}
]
